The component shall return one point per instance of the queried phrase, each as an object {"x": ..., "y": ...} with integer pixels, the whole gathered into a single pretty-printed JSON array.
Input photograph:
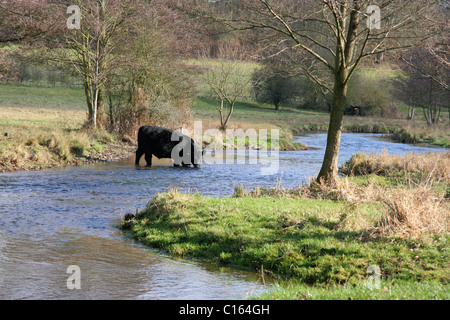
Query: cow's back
[{"x": 157, "y": 139}]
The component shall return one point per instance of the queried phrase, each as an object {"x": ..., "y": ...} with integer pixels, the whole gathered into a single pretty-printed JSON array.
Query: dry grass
[
  {"x": 419, "y": 203},
  {"x": 413, "y": 212},
  {"x": 39, "y": 138},
  {"x": 415, "y": 195},
  {"x": 437, "y": 134},
  {"x": 431, "y": 167},
  {"x": 341, "y": 190}
]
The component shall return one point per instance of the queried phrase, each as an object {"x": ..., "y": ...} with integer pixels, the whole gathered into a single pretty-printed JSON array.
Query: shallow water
[{"x": 52, "y": 219}]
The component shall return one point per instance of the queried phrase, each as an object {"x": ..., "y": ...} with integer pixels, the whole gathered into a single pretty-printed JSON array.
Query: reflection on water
[{"x": 50, "y": 220}]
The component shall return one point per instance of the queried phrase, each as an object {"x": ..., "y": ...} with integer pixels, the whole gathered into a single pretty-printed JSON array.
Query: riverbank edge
[
  {"x": 111, "y": 152},
  {"x": 392, "y": 132},
  {"x": 399, "y": 134},
  {"x": 117, "y": 151}
]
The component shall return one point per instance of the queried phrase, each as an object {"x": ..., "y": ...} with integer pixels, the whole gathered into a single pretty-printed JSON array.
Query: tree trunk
[
  {"x": 345, "y": 49},
  {"x": 222, "y": 121},
  {"x": 277, "y": 104},
  {"x": 231, "y": 103},
  {"x": 95, "y": 103},
  {"x": 90, "y": 101},
  {"x": 329, "y": 170},
  {"x": 411, "y": 112},
  {"x": 111, "y": 112},
  {"x": 101, "y": 108},
  {"x": 438, "y": 114},
  {"x": 426, "y": 113}
]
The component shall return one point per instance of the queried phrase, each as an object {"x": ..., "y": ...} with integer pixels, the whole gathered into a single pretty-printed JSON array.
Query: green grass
[
  {"x": 319, "y": 243},
  {"x": 39, "y": 97},
  {"x": 383, "y": 73},
  {"x": 387, "y": 290},
  {"x": 249, "y": 111},
  {"x": 282, "y": 144},
  {"x": 249, "y": 114}
]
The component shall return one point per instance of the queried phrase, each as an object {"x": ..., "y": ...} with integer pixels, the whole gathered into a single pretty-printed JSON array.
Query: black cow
[
  {"x": 165, "y": 143},
  {"x": 352, "y": 111}
]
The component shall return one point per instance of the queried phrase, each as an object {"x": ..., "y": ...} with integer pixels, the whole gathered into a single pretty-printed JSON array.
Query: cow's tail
[
  {"x": 139, "y": 151},
  {"x": 140, "y": 134}
]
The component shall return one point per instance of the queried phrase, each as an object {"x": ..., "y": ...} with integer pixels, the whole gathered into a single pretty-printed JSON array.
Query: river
[{"x": 52, "y": 219}]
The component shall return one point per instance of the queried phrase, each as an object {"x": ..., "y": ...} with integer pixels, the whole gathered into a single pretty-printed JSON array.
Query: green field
[{"x": 60, "y": 98}]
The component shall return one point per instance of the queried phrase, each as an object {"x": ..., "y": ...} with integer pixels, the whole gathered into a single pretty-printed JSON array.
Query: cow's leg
[
  {"x": 139, "y": 154},
  {"x": 148, "y": 159}
]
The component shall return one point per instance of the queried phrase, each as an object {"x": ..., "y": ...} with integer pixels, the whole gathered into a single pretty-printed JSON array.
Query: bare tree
[
  {"x": 150, "y": 85},
  {"x": 337, "y": 34},
  {"x": 430, "y": 63},
  {"x": 405, "y": 90},
  {"x": 91, "y": 47},
  {"x": 431, "y": 59},
  {"x": 228, "y": 84},
  {"x": 228, "y": 79},
  {"x": 425, "y": 81},
  {"x": 28, "y": 20}
]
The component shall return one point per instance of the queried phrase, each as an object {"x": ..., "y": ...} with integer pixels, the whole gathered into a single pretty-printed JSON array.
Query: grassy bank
[
  {"x": 42, "y": 128},
  {"x": 319, "y": 241}
]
